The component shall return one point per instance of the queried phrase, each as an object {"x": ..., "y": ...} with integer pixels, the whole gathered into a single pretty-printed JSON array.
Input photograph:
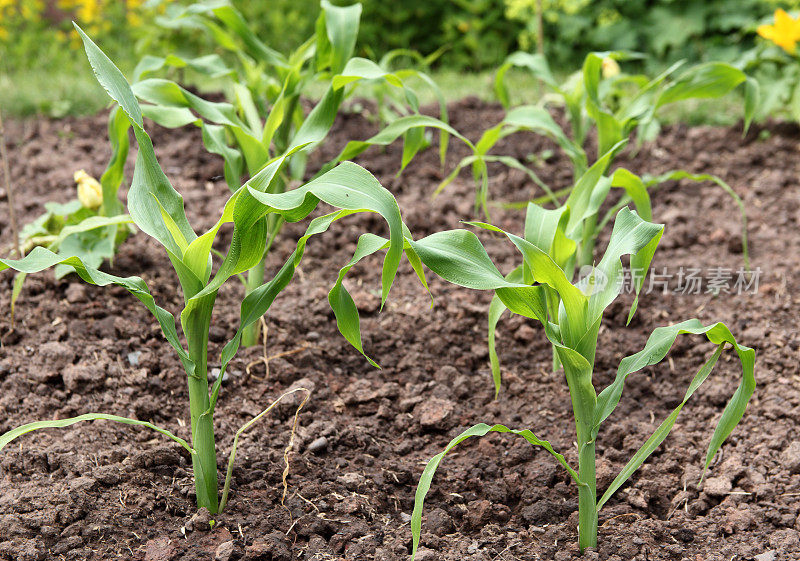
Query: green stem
[
  {"x": 587, "y": 492},
  {"x": 255, "y": 278},
  {"x": 586, "y": 256},
  {"x": 553, "y": 302},
  {"x": 204, "y": 461}
]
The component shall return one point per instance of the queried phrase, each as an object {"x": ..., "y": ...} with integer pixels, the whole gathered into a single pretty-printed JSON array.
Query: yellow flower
[
  {"x": 785, "y": 33},
  {"x": 90, "y": 193},
  {"x": 610, "y": 67}
]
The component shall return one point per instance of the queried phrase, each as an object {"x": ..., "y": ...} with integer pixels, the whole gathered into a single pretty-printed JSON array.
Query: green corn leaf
[
  {"x": 216, "y": 143},
  {"x": 341, "y": 25},
  {"x": 256, "y": 304},
  {"x": 170, "y": 117},
  {"x": 580, "y": 197},
  {"x": 635, "y": 189},
  {"x": 209, "y": 65},
  {"x": 150, "y": 190},
  {"x": 363, "y": 69},
  {"x": 16, "y": 290},
  {"x": 234, "y": 21},
  {"x": 395, "y": 130},
  {"x": 342, "y": 303},
  {"x": 660, "y": 434},
  {"x": 118, "y": 125},
  {"x": 496, "y": 309},
  {"x": 631, "y": 236},
  {"x": 478, "y": 430},
  {"x": 536, "y": 63},
  {"x": 7, "y": 437},
  {"x": 709, "y": 80},
  {"x": 677, "y": 175},
  {"x": 658, "y": 345},
  {"x": 86, "y": 225},
  {"x": 752, "y": 99},
  {"x": 539, "y": 120},
  {"x": 112, "y": 79},
  {"x": 167, "y": 93}
]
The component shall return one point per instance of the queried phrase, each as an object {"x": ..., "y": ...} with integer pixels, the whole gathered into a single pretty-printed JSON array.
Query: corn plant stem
[
  {"x": 586, "y": 256},
  {"x": 587, "y": 491},
  {"x": 255, "y": 278},
  {"x": 204, "y": 461},
  {"x": 552, "y": 309}
]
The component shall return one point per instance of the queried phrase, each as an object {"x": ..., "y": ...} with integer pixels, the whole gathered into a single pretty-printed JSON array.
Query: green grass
[{"x": 53, "y": 93}]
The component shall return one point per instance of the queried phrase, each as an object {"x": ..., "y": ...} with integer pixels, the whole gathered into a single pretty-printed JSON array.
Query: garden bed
[{"x": 106, "y": 491}]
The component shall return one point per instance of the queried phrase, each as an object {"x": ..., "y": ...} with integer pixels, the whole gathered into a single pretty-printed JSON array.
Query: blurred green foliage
[
  {"x": 36, "y": 42},
  {"x": 664, "y": 30}
]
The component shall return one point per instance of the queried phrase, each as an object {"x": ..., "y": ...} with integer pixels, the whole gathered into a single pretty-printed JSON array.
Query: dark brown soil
[{"x": 107, "y": 491}]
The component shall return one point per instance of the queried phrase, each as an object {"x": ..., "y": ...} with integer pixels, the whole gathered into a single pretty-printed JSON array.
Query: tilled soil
[{"x": 107, "y": 491}]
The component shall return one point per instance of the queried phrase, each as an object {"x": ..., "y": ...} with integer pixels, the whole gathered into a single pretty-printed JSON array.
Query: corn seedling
[
  {"x": 596, "y": 98},
  {"x": 599, "y": 99},
  {"x": 157, "y": 209},
  {"x": 458, "y": 257},
  {"x": 602, "y": 98},
  {"x": 264, "y": 115},
  {"x": 91, "y": 226}
]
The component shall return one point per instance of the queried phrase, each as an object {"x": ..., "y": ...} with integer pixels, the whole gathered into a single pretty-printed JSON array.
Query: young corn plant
[
  {"x": 157, "y": 209},
  {"x": 577, "y": 224},
  {"x": 599, "y": 99},
  {"x": 91, "y": 226},
  {"x": 264, "y": 117},
  {"x": 458, "y": 257},
  {"x": 613, "y": 105}
]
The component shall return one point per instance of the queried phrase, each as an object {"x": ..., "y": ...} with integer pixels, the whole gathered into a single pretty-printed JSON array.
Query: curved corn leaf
[
  {"x": 709, "y": 80},
  {"x": 658, "y": 345},
  {"x": 539, "y": 120},
  {"x": 209, "y": 65},
  {"x": 678, "y": 175},
  {"x": 536, "y": 63},
  {"x": 479, "y": 430},
  {"x": 7, "y": 437},
  {"x": 496, "y": 309},
  {"x": 392, "y": 132},
  {"x": 118, "y": 125},
  {"x": 341, "y": 26},
  {"x": 151, "y": 196}
]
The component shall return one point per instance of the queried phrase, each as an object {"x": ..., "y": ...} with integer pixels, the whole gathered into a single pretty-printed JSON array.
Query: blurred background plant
[
  {"x": 41, "y": 70},
  {"x": 773, "y": 63}
]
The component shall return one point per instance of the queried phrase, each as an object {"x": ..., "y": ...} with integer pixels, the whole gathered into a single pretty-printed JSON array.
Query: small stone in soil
[
  {"x": 133, "y": 358},
  {"x": 434, "y": 414},
  {"x": 717, "y": 486},
  {"x": 200, "y": 521},
  {"x": 424, "y": 554},
  {"x": 213, "y": 374},
  {"x": 766, "y": 556},
  {"x": 224, "y": 551},
  {"x": 318, "y": 445}
]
